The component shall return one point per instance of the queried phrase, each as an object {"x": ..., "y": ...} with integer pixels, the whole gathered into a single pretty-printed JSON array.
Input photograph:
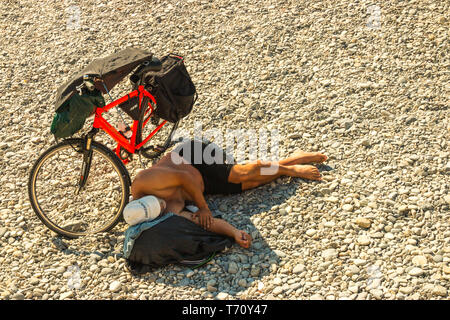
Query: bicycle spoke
[{"x": 97, "y": 203}]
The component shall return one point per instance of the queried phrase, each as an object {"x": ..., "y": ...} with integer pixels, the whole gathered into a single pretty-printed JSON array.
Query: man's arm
[
  {"x": 195, "y": 192},
  {"x": 152, "y": 180},
  {"x": 193, "y": 189}
]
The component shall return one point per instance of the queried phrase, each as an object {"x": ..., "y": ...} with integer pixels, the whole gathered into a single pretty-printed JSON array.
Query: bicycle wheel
[
  {"x": 53, "y": 185},
  {"x": 162, "y": 139}
]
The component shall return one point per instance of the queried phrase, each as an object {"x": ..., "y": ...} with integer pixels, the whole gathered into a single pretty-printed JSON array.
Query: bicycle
[{"x": 79, "y": 186}]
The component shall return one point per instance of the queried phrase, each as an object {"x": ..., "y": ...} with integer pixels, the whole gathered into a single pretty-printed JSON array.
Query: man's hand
[{"x": 205, "y": 218}]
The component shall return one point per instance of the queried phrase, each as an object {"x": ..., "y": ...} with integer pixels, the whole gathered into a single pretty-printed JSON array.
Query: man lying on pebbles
[{"x": 186, "y": 175}]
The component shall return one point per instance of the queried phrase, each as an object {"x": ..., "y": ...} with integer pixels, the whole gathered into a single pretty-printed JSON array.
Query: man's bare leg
[
  {"x": 251, "y": 175},
  {"x": 302, "y": 157}
]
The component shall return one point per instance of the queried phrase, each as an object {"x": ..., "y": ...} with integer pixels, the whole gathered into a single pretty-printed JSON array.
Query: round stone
[
  {"x": 440, "y": 291},
  {"x": 222, "y": 296},
  {"x": 232, "y": 268},
  {"x": 115, "y": 286},
  {"x": 329, "y": 254},
  {"x": 363, "y": 222},
  {"x": 419, "y": 261},
  {"x": 416, "y": 272},
  {"x": 363, "y": 240},
  {"x": 347, "y": 207},
  {"x": 298, "y": 268}
]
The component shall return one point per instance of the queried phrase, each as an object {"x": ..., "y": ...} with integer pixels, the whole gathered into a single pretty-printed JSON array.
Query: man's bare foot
[
  {"x": 306, "y": 172},
  {"x": 309, "y": 157},
  {"x": 302, "y": 157},
  {"x": 243, "y": 239}
]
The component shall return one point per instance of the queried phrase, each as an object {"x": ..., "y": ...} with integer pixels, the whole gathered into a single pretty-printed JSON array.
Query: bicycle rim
[{"x": 54, "y": 182}]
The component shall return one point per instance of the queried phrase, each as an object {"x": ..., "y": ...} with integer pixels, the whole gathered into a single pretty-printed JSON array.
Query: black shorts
[{"x": 211, "y": 165}]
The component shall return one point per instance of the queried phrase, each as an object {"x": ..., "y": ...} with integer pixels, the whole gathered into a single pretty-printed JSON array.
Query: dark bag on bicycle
[
  {"x": 72, "y": 115},
  {"x": 172, "y": 88}
]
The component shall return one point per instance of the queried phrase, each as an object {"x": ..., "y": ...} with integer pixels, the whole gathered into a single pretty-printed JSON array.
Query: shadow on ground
[{"x": 235, "y": 269}]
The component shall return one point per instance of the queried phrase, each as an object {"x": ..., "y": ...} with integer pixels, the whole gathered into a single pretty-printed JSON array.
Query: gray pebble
[{"x": 232, "y": 268}]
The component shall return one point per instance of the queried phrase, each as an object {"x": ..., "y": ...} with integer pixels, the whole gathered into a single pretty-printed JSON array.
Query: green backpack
[{"x": 72, "y": 115}]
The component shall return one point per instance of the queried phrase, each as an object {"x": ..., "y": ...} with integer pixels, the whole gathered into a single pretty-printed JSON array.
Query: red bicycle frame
[{"x": 129, "y": 145}]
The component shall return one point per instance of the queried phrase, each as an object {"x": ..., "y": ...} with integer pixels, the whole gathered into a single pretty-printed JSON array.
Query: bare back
[{"x": 165, "y": 180}]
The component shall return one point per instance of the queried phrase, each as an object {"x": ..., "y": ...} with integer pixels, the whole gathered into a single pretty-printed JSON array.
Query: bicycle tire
[
  {"x": 64, "y": 177},
  {"x": 163, "y": 136}
]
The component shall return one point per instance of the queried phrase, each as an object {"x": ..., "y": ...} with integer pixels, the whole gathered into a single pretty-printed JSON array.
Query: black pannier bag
[
  {"x": 171, "y": 239},
  {"x": 172, "y": 88},
  {"x": 131, "y": 107}
]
